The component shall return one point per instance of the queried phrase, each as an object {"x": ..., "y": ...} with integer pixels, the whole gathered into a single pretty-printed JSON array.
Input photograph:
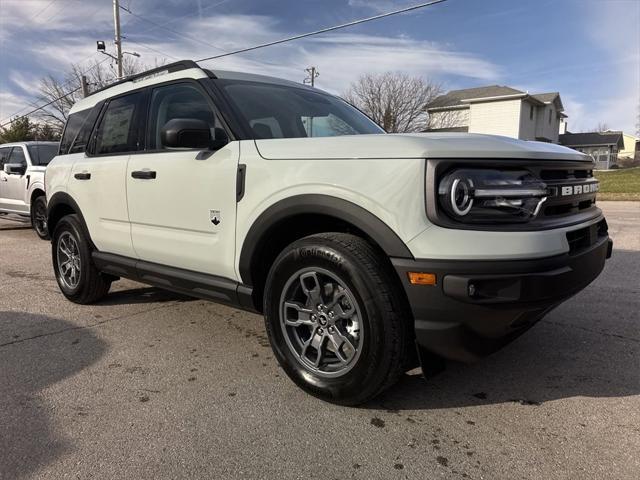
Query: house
[
  {"x": 498, "y": 110},
  {"x": 604, "y": 147},
  {"x": 631, "y": 146}
]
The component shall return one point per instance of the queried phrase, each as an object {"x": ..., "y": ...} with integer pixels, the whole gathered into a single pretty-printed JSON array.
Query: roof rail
[{"x": 169, "y": 68}]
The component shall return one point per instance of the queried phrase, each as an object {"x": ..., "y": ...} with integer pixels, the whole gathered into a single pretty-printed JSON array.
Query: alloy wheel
[{"x": 321, "y": 321}]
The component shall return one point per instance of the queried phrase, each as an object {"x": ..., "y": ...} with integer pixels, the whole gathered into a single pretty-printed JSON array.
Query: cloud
[{"x": 340, "y": 57}]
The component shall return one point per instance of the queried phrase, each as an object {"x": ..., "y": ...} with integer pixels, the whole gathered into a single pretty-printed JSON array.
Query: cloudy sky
[{"x": 588, "y": 50}]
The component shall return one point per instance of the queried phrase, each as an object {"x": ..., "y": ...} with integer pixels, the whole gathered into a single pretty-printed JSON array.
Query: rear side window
[
  {"x": 119, "y": 130},
  {"x": 82, "y": 139},
  {"x": 74, "y": 122},
  {"x": 42, "y": 154}
]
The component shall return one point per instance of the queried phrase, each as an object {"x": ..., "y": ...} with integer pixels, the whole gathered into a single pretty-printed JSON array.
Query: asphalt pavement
[{"x": 151, "y": 385}]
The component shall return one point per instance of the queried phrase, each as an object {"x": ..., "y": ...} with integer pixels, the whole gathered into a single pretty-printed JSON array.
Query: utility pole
[
  {"x": 85, "y": 86},
  {"x": 313, "y": 74},
  {"x": 118, "y": 39}
]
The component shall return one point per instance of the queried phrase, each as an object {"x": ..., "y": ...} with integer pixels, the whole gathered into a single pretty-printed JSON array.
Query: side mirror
[
  {"x": 15, "y": 168},
  {"x": 220, "y": 140},
  {"x": 186, "y": 133}
]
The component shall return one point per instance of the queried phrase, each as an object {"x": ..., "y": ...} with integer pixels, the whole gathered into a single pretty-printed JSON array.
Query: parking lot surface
[{"x": 148, "y": 384}]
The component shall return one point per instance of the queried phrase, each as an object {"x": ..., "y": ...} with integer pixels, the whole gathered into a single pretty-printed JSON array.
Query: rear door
[
  {"x": 97, "y": 180},
  {"x": 182, "y": 202},
  {"x": 14, "y": 186}
]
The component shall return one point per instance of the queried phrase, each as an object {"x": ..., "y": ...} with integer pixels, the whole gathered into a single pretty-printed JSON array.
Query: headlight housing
[{"x": 487, "y": 196}]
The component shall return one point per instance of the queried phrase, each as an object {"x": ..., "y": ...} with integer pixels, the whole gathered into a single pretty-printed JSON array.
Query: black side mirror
[
  {"x": 220, "y": 140},
  {"x": 186, "y": 133},
  {"x": 15, "y": 168}
]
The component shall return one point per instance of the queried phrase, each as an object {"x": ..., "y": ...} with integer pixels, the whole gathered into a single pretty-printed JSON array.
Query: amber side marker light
[{"x": 421, "y": 278}]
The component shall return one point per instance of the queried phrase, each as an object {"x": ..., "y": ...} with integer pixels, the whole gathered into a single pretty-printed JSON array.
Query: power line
[
  {"x": 175, "y": 32},
  {"x": 10, "y": 117},
  {"x": 43, "y": 9},
  {"x": 324, "y": 30},
  {"x": 41, "y": 107}
]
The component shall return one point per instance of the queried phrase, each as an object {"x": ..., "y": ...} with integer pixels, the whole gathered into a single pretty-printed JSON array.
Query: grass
[{"x": 619, "y": 184}]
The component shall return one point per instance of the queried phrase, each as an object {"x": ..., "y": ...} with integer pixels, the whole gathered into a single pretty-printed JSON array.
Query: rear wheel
[
  {"x": 76, "y": 274},
  {"x": 39, "y": 217},
  {"x": 334, "y": 318}
]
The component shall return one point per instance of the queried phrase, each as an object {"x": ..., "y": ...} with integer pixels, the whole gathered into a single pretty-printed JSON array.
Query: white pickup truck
[
  {"x": 22, "y": 167},
  {"x": 366, "y": 252}
]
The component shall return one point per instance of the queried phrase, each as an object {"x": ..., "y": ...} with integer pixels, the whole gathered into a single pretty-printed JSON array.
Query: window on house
[
  {"x": 531, "y": 112},
  {"x": 549, "y": 116}
]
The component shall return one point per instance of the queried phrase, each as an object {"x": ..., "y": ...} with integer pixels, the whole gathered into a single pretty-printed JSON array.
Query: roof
[
  {"x": 462, "y": 98},
  {"x": 456, "y": 97},
  {"x": 589, "y": 139},
  {"x": 26, "y": 144},
  {"x": 173, "y": 71}
]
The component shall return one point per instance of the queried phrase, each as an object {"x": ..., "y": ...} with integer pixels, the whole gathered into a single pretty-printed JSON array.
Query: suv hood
[{"x": 414, "y": 145}]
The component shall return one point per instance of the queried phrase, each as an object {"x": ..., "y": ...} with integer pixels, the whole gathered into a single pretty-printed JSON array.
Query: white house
[{"x": 498, "y": 110}]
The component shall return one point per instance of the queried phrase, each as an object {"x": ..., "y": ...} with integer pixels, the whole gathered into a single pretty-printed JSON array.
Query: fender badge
[{"x": 214, "y": 216}]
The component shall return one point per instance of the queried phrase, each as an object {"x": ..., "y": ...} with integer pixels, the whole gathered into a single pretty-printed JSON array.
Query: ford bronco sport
[
  {"x": 366, "y": 252},
  {"x": 22, "y": 167}
]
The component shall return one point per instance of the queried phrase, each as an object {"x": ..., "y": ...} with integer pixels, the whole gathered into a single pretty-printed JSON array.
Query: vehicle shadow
[
  {"x": 143, "y": 294},
  {"x": 29, "y": 365},
  {"x": 589, "y": 347}
]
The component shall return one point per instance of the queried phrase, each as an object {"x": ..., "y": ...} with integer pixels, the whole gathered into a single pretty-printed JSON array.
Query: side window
[
  {"x": 119, "y": 130},
  {"x": 177, "y": 101},
  {"x": 17, "y": 156},
  {"x": 74, "y": 122},
  {"x": 4, "y": 156},
  {"x": 267, "y": 127},
  {"x": 84, "y": 135}
]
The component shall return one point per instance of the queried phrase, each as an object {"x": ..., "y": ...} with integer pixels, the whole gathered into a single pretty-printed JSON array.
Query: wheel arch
[
  {"x": 36, "y": 191},
  {"x": 299, "y": 216},
  {"x": 60, "y": 205}
]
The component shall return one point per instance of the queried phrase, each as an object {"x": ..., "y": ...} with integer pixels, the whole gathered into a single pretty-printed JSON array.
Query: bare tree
[
  {"x": 56, "y": 92},
  {"x": 602, "y": 127},
  {"x": 395, "y": 101}
]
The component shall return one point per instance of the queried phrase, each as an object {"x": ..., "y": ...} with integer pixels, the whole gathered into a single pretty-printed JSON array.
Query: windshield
[
  {"x": 42, "y": 154},
  {"x": 277, "y": 111}
]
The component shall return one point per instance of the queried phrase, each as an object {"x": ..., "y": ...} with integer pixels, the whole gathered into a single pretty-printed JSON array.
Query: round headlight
[
  {"x": 461, "y": 196},
  {"x": 486, "y": 195}
]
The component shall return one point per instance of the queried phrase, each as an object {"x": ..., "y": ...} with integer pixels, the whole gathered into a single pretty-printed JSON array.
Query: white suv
[
  {"x": 356, "y": 245},
  {"x": 22, "y": 168}
]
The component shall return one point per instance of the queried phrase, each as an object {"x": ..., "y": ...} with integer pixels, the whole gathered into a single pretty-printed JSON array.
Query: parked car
[
  {"x": 22, "y": 167},
  {"x": 356, "y": 245}
]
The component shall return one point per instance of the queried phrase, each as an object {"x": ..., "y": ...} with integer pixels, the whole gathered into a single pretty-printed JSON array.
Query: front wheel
[
  {"x": 76, "y": 274},
  {"x": 39, "y": 217},
  {"x": 335, "y": 319}
]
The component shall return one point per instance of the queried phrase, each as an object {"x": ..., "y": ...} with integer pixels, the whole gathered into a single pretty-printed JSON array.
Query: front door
[
  {"x": 14, "y": 186},
  {"x": 182, "y": 203}
]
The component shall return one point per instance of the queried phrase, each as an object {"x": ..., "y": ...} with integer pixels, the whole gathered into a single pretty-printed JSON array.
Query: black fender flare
[
  {"x": 325, "y": 205},
  {"x": 58, "y": 200}
]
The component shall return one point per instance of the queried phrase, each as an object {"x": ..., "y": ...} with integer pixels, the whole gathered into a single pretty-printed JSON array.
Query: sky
[{"x": 588, "y": 50}]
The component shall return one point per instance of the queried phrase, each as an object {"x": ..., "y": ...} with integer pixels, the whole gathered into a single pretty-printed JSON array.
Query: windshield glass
[
  {"x": 277, "y": 111},
  {"x": 42, "y": 154}
]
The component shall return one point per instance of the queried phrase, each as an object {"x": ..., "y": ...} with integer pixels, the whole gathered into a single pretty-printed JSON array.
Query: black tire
[
  {"x": 382, "y": 315},
  {"x": 91, "y": 284},
  {"x": 39, "y": 217}
]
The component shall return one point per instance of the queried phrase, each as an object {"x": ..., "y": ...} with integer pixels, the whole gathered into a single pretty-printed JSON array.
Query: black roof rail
[{"x": 169, "y": 68}]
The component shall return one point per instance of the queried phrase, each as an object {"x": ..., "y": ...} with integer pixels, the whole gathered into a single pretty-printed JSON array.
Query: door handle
[
  {"x": 144, "y": 174},
  {"x": 82, "y": 176}
]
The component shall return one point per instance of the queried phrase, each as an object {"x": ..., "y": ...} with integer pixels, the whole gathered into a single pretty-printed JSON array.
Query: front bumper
[{"x": 476, "y": 307}]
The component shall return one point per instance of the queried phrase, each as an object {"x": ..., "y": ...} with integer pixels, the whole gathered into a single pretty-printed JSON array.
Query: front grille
[
  {"x": 587, "y": 236},
  {"x": 560, "y": 180}
]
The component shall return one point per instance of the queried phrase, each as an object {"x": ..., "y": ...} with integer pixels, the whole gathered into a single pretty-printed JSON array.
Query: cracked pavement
[{"x": 149, "y": 384}]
